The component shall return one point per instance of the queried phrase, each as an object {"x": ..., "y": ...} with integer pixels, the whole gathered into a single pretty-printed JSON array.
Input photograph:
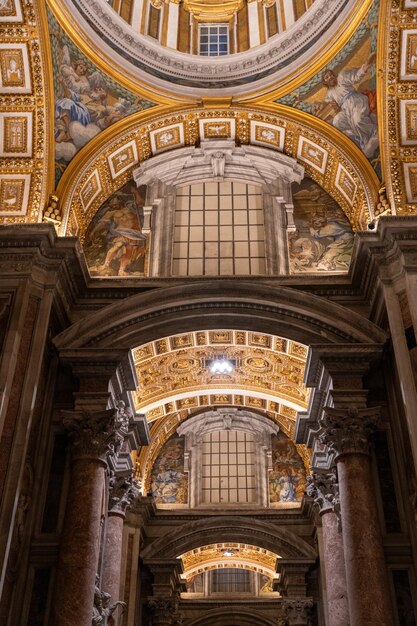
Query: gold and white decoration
[{"x": 25, "y": 93}]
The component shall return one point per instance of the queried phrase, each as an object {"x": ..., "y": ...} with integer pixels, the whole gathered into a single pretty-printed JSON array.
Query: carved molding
[
  {"x": 163, "y": 609},
  {"x": 219, "y": 158},
  {"x": 147, "y": 59}
]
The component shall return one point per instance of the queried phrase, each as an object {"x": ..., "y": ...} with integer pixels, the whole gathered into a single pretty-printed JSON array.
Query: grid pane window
[
  {"x": 219, "y": 230},
  {"x": 214, "y": 40},
  {"x": 228, "y": 468},
  {"x": 229, "y": 580}
]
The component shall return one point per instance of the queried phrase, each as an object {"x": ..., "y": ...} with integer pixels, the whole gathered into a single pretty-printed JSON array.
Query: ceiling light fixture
[
  {"x": 221, "y": 366},
  {"x": 228, "y": 552}
]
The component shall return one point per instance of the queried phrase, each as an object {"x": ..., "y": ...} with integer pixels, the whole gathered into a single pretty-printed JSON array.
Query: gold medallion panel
[
  {"x": 398, "y": 101},
  {"x": 25, "y": 97}
]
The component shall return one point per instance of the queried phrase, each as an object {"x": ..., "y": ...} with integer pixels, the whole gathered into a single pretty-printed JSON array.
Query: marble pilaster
[
  {"x": 293, "y": 576},
  {"x": 324, "y": 489},
  {"x": 345, "y": 431}
]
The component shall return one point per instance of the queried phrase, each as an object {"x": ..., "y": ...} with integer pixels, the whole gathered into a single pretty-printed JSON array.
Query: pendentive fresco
[
  {"x": 288, "y": 476},
  {"x": 86, "y": 100},
  {"x": 343, "y": 93}
]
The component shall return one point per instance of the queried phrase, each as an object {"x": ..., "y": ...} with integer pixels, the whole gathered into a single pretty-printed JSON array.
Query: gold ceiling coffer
[{"x": 209, "y": 10}]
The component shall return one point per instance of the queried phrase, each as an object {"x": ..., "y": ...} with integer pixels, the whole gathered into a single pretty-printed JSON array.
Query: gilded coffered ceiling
[
  {"x": 175, "y": 382},
  {"x": 235, "y": 555},
  {"x": 264, "y": 367},
  {"x": 397, "y": 101},
  {"x": 298, "y": 118}
]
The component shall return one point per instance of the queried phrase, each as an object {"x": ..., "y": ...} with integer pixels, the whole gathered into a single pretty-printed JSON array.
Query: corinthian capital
[
  {"x": 163, "y": 608},
  {"x": 297, "y": 611},
  {"x": 96, "y": 434},
  {"x": 122, "y": 491},
  {"x": 346, "y": 431},
  {"x": 323, "y": 487}
]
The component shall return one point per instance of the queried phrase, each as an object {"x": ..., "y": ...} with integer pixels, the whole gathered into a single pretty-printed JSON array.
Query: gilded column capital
[
  {"x": 323, "y": 487},
  {"x": 122, "y": 491},
  {"x": 297, "y": 611},
  {"x": 95, "y": 435},
  {"x": 346, "y": 431}
]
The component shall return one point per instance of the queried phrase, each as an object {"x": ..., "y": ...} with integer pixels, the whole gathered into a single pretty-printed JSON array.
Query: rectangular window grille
[
  {"x": 214, "y": 40},
  {"x": 231, "y": 580},
  {"x": 228, "y": 468},
  {"x": 219, "y": 230}
]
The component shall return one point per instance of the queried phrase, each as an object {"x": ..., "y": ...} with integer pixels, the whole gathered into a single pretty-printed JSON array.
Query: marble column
[
  {"x": 323, "y": 487},
  {"x": 122, "y": 491},
  {"x": 93, "y": 435},
  {"x": 345, "y": 431},
  {"x": 297, "y": 611}
]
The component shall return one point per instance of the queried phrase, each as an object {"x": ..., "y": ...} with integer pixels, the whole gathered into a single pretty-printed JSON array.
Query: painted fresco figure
[
  {"x": 287, "y": 492},
  {"x": 337, "y": 242},
  {"x": 165, "y": 486},
  {"x": 127, "y": 243},
  {"x": 83, "y": 110},
  {"x": 354, "y": 118}
]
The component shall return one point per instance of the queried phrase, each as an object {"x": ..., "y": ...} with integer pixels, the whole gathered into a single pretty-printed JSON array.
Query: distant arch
[
  {"x": 232, "y": 529},
  {"x": 233, "y": 304}
]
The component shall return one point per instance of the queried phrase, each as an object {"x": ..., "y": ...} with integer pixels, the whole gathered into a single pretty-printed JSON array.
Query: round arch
[
  {"x": 232, "y": 616},
  {"x": 231, "y": 529},
  {"x": 338, "y": 166},
  {"x": 254, "y": 306}
]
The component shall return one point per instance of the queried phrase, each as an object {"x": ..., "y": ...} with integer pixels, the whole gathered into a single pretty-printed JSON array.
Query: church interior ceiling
[
  {"x": 175, "y": 383},
  {"x": 30, "y": 49},
  {"x": 340, "y": 168}
]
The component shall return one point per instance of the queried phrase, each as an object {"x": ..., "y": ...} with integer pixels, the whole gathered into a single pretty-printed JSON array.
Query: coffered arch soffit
[
  {"x": 253, "y": 306},
  {"x": 175, "y": 384},
  {"x": 108, "y": 161},
  {"x": 174, "y": 368},
  {"x": 244, "y": 556},
  {"x": 231, "y": 529}
]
